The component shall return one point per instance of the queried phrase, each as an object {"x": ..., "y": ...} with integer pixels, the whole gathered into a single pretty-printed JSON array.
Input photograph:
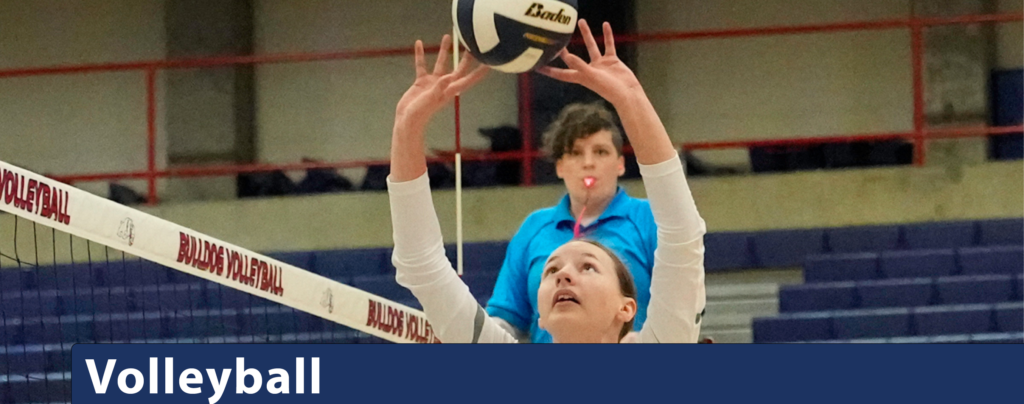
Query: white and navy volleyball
[{"x": 515, "y": 36}]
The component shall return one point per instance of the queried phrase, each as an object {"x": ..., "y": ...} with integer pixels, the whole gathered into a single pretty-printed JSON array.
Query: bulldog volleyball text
[
  {"x": 46, "y": 200},
  {"x": 191, "y": 381}
]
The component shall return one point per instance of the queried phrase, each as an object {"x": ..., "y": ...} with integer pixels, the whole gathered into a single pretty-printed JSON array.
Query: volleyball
[{"x": 514, "y": 36}]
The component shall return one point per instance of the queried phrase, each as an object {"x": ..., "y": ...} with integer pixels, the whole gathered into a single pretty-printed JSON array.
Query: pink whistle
[{"x": 589, "y": 182}]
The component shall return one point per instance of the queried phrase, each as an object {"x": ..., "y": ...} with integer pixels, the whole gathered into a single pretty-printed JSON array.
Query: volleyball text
[
  {"x": 218, "y": 260},
  {"x": 398, "y": 322},
  {"x": 190, "y": 381},
  {"x": 36, "y": 197}
]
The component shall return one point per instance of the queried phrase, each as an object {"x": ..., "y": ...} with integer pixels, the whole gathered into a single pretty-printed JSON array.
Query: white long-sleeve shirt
[{"x": 677, "y": 282}]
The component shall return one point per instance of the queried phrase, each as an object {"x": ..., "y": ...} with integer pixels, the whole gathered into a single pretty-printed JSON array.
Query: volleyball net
[{"x": 77, "y": 268}]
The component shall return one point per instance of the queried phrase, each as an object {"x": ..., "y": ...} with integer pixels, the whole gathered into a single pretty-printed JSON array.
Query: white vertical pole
[{"x": 458, "y": 169}]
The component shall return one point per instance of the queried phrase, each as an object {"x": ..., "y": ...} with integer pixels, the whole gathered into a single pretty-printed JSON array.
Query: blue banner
[{"x": 250, "y": 373}]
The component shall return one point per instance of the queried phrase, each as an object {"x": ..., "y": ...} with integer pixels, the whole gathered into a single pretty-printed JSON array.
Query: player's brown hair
[{"x": 626, "y": 284}]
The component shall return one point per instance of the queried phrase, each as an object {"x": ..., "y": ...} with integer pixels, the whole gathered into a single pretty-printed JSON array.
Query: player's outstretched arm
[
  {"x": 432, "y": 90},
  {"x": 419, "y": 250}
]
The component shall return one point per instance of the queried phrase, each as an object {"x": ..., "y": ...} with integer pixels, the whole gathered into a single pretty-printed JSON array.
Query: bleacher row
[
  {"x": 789, "y": 248},
  {"x": 47, "y": 309},
  {"x": 961, "y": 293}
]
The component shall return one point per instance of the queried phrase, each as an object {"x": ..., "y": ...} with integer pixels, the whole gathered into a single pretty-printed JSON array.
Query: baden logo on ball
[
  {"x": 537, "y": 10},
  {"x": 514, "y": 36}
]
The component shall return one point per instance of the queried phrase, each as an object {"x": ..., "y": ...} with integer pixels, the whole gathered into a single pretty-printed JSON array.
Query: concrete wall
[
  {"x": 759, "y": 202},
  {"x": 76, "y": 123},
  {"x": 345, "y": 109},
  {"x": 743, "y": 88},
  {"x": 744, "y": 203},
  {"x": 776, "y": 86},
  {"x": 1010, "y": 37}
]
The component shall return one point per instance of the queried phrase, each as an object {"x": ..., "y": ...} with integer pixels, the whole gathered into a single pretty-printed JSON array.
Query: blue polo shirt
[{"x": 626, "y": 227}]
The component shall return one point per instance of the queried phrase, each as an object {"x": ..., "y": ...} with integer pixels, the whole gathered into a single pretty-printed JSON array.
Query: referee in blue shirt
[{"x": 586, "y": 145}]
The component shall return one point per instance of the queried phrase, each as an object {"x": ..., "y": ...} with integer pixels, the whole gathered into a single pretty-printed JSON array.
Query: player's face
[
  {"x": 580, "y": 299},
  {"x": 594, "y": 157}
]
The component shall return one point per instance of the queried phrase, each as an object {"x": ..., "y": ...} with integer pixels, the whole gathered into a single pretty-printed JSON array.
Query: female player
[
  {"x": 586, "y": 146},
  {"x": 586, "y": 294}
]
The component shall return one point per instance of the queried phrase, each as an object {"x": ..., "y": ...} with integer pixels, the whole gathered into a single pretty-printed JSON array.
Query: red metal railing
[{"x": 919, "y": 135}]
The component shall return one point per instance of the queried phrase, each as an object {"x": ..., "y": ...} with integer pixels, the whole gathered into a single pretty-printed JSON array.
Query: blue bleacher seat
[
  {"x": 873, "y": 323},
  {"x": 841, "y": 267},
  {"x": 1010, "y": 317},
  {"x": 787, "y": 248},
  {"x": 940, "y": 235},
  {"x": 863, "y": 239},
  {"x": 10, "y": 279},
  {"x": 32, "y": 358},
  {"x": 302, "y": 259},
  {"x": 82, "y": 276},
  {"x": 352, "y": 263},
  {"x": 907, "y": 340},
  {"x": 950, "y": 320},
  {"x": 727, "y": 251},
  {"x": 1001, "y": 232},
  {"x": 975, "y": 289},
  {"x": 992, "y": 260},
  {"x": 998, "y": 338},
  {"x": 480, "y": 284},
  {"x": 1019, "y": 287},
  {"x": 817, "y": 297},
  {"x": 950, "y": 339},
  {"x": 793, "y": 327},
  {"x": 384, "y": 286},
  {"x": 484, "y": 256},
  {"x": 37, "y": 388},
  {"x": 896, "y": 292},
  {"x": 917, "y": 263}
]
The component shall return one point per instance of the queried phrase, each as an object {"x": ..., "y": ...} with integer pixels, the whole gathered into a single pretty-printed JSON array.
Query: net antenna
[
  {"x": 157, "y": 242},
  {"x": 456, "y": 44}
]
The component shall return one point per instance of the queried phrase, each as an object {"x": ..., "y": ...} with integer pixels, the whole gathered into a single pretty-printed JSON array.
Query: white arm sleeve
[
  {"x": 454, "y": 314},
  {"x": 677, "y": 280}
]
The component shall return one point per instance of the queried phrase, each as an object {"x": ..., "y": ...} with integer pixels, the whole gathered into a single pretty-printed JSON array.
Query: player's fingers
[
  {"x": 442, "y": 55},
  {"x": 464, "y": 65},
  {"x": 421, "y": 63},
  {"x": 566, "y": 75},
  {"x": 460, "y": 85},
  {"x": 572, "y": 61},
  {"x": 443, "y": 83},
  {"x": 588, "y": 39},
  {"x": 609, "y": 40}
]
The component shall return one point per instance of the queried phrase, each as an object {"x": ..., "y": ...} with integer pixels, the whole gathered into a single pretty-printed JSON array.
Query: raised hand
[
  {"x": 606, "y": 75},
  {"x": 427, "y": 95},
  {"x": 433, "y": 90}
]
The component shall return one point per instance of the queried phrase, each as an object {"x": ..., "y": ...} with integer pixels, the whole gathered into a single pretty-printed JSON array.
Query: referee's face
[
  {"x": 596, "y": 158},
  {"x": 580, "y": 299}
]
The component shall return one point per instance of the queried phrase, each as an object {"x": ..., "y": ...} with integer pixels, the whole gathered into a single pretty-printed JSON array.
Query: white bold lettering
[
  {"x": 300, "y": 382},
  {"x": 122, "y": 381},
  {"x": 241, "y": 373},
  {"x": 169, "y": 376},
  {"x": 154, "y": 363},
  {"x": 281, "y": 381},
  {"x": 316, "y": 375},
  {"x": 100, "y": 386},
  {"x": 218, "y": 385},
  {"x": 189, "y": 377}
]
